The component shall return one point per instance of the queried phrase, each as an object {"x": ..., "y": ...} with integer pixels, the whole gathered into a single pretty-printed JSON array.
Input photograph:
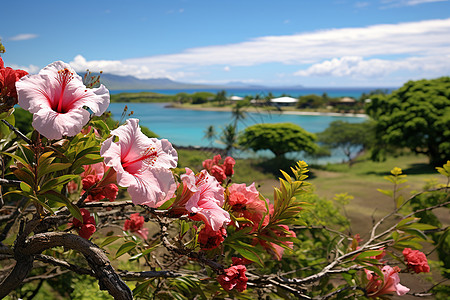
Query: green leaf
[
  {"x": 127, "y": 247},
  {"x": 386, "y": 192},
  {"x": 54, "y": 168},
  {"x": 58, "y": 197},
  {"x": 369, "y": 253},
  {"x": 109, "y": 240},
  {"x": 246, "y": 251},
  {"x": 142, "y": 287},
  {"x": 375, "y": 269},
  {"x": 54, "y": 182},
  {"x": 20, "y": 159},
  {"x": 25, "y": 175},
  {"x": 407, "y": 221},
  {"x": 26, "y": 188}
]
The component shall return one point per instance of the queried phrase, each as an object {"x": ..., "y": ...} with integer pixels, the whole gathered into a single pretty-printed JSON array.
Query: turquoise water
[
  {"x": 263, "y": 91},
  {"x": 187, "y": 127}
]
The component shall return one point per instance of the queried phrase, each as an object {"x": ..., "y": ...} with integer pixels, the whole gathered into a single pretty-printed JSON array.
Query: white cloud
[
  {"x": 356, "y": 66},
  {"x": 226, "y": 69},
  {"x": 32, "y": 69},
  {"x": 424, "y": 40},
  {"x": 23, "y": 37}
]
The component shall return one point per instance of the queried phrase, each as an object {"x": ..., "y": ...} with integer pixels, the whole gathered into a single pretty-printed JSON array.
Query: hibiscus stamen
[
  {"x": 148, "y": 157},
  {"x": 64, "y": 77}
]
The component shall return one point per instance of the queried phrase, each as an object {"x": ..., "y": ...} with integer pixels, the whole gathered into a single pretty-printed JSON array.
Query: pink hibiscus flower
[
  {"x": 206, "y": 200},
  {"x": 56, "y": 97},
  {"x": 142, "y": 164},
  {"x": 377, "y": 287}
]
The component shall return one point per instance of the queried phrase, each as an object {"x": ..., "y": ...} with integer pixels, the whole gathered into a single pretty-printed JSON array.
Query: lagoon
[{"x": 184, "y": 127}]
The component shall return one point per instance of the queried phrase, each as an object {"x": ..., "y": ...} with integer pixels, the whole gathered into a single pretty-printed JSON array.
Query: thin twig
[{"x": 17, "y": 132}]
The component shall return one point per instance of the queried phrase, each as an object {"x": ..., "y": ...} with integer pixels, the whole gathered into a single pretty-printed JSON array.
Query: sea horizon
[{"x": 353, "y": 92}]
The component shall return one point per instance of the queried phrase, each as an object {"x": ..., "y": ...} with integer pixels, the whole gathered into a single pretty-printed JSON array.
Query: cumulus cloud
[
  {"x": 344, "y": 50},
  {"x": 356, "y": 66},
  {"x": 32, "y": 69},
  {"x": 23, "y": 37},
  {"x": 80, "y": 64},
  {"x": 425, "y": 38}
]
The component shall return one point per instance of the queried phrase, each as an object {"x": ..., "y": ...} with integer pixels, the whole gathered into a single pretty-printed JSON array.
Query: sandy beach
[{"x": 261, "y": 110}]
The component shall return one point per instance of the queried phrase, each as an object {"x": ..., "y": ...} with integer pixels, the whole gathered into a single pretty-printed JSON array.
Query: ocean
[
  {"x": 187, "y": 127},
  {"x": 276, "y": 92}
]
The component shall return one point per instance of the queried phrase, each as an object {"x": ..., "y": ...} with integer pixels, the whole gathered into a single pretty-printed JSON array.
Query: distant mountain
[{"x": 117, "y": 82}]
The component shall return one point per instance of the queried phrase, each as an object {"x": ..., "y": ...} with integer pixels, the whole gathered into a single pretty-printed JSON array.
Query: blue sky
[{"x": 340, "y": 43}]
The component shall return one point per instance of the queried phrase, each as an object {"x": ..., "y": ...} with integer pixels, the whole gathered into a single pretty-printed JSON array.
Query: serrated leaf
[{"x": 127, "y": 247}]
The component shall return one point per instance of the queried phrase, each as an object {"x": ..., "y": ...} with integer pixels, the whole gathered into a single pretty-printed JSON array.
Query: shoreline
[{"x": 256, "y": 110}]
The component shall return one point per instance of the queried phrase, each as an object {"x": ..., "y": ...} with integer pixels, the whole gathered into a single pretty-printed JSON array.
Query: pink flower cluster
[
  {"x": 220, "y": 171},
  {"x": 86, "y": 227},
  {"x": 97, "y": 185},
  {"x": 416, "y": 260},
  {"x": 136, "y": 224},
  {"x": 377, "y": 286},
  {"x": 202, "y": 199},
  {"x": 234, "y": 277},
  {"x": 210, "y": 239},
  {"x": 245, "y": 202}
]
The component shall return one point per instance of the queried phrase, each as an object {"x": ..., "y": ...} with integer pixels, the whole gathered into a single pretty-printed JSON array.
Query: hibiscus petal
[
  {"x": 54, "y": 126},
  {"x": 151, "y": 187}
]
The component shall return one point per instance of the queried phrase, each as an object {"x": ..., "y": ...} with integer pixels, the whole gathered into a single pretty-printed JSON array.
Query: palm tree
[
  {"x": 210, "y": 134},
  {"x": 229, "y": 138}
]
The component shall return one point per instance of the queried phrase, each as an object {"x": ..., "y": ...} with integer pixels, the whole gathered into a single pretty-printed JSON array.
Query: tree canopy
[
  {"x": 280, "y": 138},
  {"x": 416, "y": 116},
  {"x": 349, "y": 137}
]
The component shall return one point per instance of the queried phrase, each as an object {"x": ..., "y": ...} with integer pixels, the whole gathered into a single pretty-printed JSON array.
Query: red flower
[
  {"x": 8, "y": 92},
  {"x": 210, "y": 239},
  {"x": 85, "y": 228},
  {"x": 220, "y": 171},
  {"x": 234, "y": 277},
  {"x": 97, "y": 184},
  {"x": 416, "y": 260},
  {"x": 228, "y": 165},
  {"x": 136, "y": 224}
]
